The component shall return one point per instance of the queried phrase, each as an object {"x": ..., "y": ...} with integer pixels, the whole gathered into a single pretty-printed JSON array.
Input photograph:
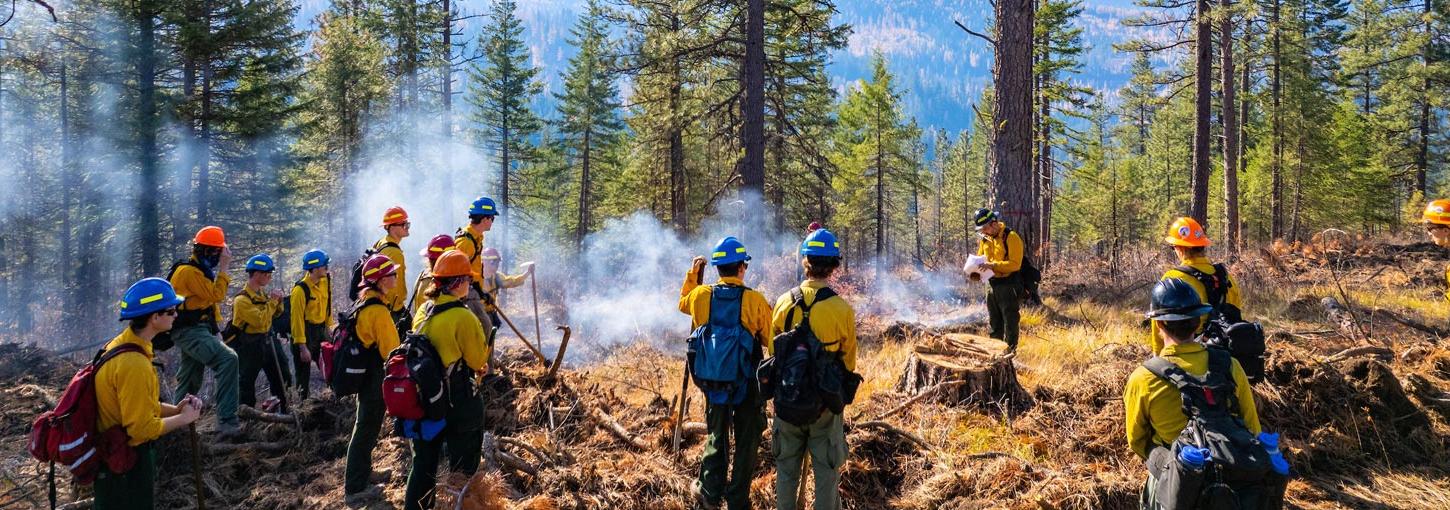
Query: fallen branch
[
  {"x": 694, "y": 428},
  {"x": 1353, "y": 352},
  {"x": 544, "y": 459},
  {"x": 249, "y": 413},
  {"x": 1415, "y": 325},
  {"x": 84, "y": 504},
  {"x": 939, "y": 387},
  {"x": 559, "y": 356},
  {"x": 511, "y": 461},
  {"x": 887, "y": 427},
  {"x": 609, "y": 424}
]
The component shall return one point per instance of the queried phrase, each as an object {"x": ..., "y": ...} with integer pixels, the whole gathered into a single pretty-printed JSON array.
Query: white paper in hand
[{"x": 976, "y": 269}]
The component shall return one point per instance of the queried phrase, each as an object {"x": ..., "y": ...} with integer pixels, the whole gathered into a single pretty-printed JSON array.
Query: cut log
[
  {"x": 248, "y": 413},
  {"x": 963, "y": 369},
  {"x": 608, "y": 423}
]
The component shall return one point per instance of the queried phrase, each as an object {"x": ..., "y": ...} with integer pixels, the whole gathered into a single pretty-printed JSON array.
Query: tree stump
[{"x": 963, "y": 369}]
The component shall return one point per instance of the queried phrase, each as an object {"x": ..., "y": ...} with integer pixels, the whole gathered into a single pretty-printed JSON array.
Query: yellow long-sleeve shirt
[
  {"x": 492, "y": 283},
  {"x": 397, "y": 299},
  {"x": 201, "y": 292},
  {"x": 317, "y": 310},
  {"x": 470, "y": 242},
  {"x": 425, "y": 279},
  {"x": 1234, "y": 297},
  {"x": 754, "y": 309},
  {"x": 128, "y": 393},
  {"x": 375, "y": 326},
  {"x": 1154, "y": 407},
  {"x": 1003, "y": 252},
  {"x": 833, "y": 321},
  {"x": 254, "y": 311},
  {"x": 456, "y": 334}
]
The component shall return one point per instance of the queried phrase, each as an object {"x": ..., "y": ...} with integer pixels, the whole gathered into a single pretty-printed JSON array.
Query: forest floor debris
[{"x": 1363, "y": 410}]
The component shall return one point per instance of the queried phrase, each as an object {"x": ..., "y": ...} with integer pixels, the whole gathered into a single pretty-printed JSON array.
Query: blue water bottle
[
  {"x": 1276, "y": 458},
  {"x": 1193, "y": 457}
]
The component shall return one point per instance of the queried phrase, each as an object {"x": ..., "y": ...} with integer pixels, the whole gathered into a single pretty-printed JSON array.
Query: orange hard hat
[
  {"x": 1438, "y": 212},
  {"x": 1188, "y": 233},
  {"x": 395, "y": 215},
  {"x": 211, "y": 236},
  {"x": 453, "y": 263}
]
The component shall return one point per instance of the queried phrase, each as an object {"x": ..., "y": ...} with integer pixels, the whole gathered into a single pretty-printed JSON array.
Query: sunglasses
[{"x": 167, "y": 312}]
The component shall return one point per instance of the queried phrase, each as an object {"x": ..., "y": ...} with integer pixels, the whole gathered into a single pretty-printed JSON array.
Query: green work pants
[
  {"x": 364, "y": 433},
  {"x": 201, "y": 349},
  {"x": 746, "y": 420},
  {"x": 1004, "y": 304},
  {"x": 463, "y": 437},
  {"x": 826, "y": 441},
  {"x": 132, "y": 490},
  {"x": 255, "y": 353},
  {"x": 313, "y": 343}
]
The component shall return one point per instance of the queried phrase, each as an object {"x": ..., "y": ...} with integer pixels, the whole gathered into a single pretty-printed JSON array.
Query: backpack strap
[
  {"x": 384, "y": 244},
  {"x": 477, "y": 246},
  {"x": 1216, "y": 284},
  {"x": 103, "y": 355},
  {"x": 799, "y": 297}
]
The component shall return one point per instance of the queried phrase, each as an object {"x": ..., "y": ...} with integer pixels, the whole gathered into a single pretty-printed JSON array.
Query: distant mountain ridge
[{"x": 941, "y": 69}]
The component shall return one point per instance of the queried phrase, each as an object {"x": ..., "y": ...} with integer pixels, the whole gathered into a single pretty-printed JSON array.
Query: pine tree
[
  {"x": 589, "y": 123},
  {"x": 502, "y": 86},
  {"x": 872, "y": 149}
]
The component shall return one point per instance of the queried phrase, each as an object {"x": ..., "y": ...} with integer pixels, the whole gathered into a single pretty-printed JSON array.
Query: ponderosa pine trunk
[
  {"x": 1231, "y": 128},
  {"x": 1010, "y": 167},
  {"x": 1203, "y": 111}
]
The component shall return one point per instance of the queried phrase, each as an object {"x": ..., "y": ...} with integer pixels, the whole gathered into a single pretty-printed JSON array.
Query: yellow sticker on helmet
[
  {"x": 717, "y": 254},
  {"x": 151, "y": 299},
  {"x": 816, "y": 244}
]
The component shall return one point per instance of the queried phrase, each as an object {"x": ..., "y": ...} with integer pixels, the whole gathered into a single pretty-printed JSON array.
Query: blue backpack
[{"x": 722, "y": 353}]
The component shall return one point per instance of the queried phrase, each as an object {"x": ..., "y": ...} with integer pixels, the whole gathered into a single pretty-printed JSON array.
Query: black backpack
[
  {"x": 1238, "y": 467},
  {"x": 803, "y": 377},
  {"x": 1225, "y": 327},
  {"x": 1030, "y": 275},
  {"x": 351, "y": 362},
  {"x": 282, "y": 324},
  {"x": 354, "y": 288}
]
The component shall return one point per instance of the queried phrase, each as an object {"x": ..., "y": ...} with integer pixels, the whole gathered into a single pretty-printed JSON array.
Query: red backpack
[
  {"x": 413, "y": 376},
  {"x": 68, "y": 435}
]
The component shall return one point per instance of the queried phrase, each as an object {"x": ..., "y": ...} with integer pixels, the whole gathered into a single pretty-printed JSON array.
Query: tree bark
[
  {"x": 1203, "y": 111},
  {"x": 679, "y": 213},
  {"x": 1010, "y": 166},
  {"x": 584, "y": 199},
  {"x": 147, "y": 207},
  {"x": 752, "y": 106},
  {"x": 1276, "y": 169},
  {"x": 1231, "y": 128}
]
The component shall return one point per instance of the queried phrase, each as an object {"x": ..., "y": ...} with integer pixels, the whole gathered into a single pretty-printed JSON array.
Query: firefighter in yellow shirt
[
  {"x": 377, "y": 331},
  {"x": 469, "y": 241},
  {"x": 1003, "y": 249},
  {"x": 397, "y": 226},
  {"x": 128, "y": 395},
  {"x": 745, "y": 419},
  {"x": 1190, "y": 244},
  {"x": 253, "y": 310},
  {"x": 1437, "y": 225},
  {"x": 311, "y": 305},
  {"x": 1154, "y": 406},
  {"x": 440, "y": 244},
  {"x": 834, "y": 323},
  {"x": 458, "y": 337},
  {"x": 203, "y": 279},
  {"x": 491, "y": 281}
]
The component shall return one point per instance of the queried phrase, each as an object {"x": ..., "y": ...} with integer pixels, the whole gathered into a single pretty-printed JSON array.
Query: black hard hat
[
  {"x": 1175, "y": 300},
  {"x": 983, "y": 217}
]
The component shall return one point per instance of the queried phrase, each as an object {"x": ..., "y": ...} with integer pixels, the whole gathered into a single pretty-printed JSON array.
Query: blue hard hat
[
  {"x": 261, "y": 262},
  {"x": 821, "y": 243},
  {"x": 483, "y": 206},
  {"x": 150, "y": 295},
  {"x": 1176, "y": 300},
  {"x": 728, "y": 251},
  {"x": 314, "y": 259}
]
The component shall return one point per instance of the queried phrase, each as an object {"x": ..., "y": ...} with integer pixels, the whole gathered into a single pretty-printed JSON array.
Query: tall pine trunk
[
  {"x": 1276, "y": 169},
  {"x": 752, "y": 105},
  {"x": 148, "y": 217},
  {"x": 1011, "y": 162},
  {"x": 1203, "y": 111},
  {"x": 1231, "y": 128}
]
